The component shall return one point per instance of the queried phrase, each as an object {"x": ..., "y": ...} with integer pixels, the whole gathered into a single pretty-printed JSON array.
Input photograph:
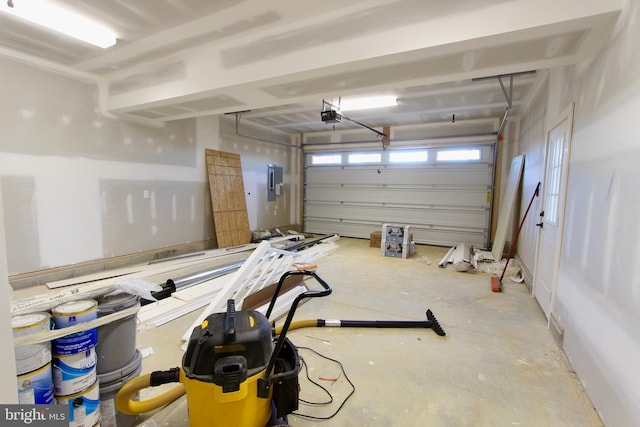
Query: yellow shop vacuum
[{"x": 236, "y": 372}]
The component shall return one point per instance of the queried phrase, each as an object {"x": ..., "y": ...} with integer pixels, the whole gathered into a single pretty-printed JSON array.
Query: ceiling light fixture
[
  {"x": 351, "y": 104},
  {"x": 61, "y": 20}
]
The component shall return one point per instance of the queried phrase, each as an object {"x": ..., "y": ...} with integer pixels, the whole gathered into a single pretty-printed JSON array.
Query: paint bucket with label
[
  {"x": 72, "y": 313},
  {"x": 84, "y": 407},
  {"x": 36, "y": 387},
  {"x": 110, "y": 384},
  {"x": 73, "y": 373},
  {"x": 33, "y": 356},
  {"x": 116, "y": 340}
]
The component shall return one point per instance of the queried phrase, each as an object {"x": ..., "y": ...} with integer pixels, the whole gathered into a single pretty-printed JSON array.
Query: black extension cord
[{"x": 328, "y": 393}]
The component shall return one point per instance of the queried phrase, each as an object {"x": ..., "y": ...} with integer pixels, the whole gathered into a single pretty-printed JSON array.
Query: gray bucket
[
  {"x": 116, "y": 340},
  {"x": 110, "y": 384}
]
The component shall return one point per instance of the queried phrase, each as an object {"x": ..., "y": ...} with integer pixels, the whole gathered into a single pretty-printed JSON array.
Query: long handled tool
[
  {"x": 496, "y": 283},
  {"x": 430, "y": 323}
]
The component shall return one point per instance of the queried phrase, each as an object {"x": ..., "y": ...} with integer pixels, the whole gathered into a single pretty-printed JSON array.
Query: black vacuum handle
[
  {"x": 230, "y": 320},
  {"x": 308, "y": 294},
  {"x": 265, "y": 383}
]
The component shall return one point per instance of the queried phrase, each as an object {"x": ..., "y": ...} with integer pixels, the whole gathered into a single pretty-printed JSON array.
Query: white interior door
[{"x": 552, "y": 214}]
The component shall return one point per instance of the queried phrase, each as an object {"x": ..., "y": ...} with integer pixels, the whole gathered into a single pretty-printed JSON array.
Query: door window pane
[{"x": 554, "y": 171}]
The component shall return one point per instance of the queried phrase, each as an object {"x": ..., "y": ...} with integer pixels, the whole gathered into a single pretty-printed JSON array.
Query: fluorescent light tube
[
  {"x": 61, "y": 20},
  {"x": 350, "y": 104}
]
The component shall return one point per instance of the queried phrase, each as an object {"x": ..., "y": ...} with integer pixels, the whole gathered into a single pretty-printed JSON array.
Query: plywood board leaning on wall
[{"x": 227, "y": 198}]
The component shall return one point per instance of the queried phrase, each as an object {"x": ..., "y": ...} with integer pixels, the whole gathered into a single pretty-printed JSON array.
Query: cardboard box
[
  {"x": 264, "y": 295},
  {"x": 375, "y": 239},
  {"x": 396, "y": 233},
  {"x": 398, "y": 250}
]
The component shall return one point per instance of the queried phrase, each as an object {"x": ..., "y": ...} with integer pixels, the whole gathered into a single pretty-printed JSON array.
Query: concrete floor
[{"x": 497, "y": 366}]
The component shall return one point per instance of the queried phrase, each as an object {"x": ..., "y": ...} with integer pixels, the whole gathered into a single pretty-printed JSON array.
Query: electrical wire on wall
[{"x": 325, "y": 391}]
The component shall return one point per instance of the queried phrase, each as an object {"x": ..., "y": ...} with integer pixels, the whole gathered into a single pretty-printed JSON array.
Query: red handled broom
[{"x": 496, "y": 282}]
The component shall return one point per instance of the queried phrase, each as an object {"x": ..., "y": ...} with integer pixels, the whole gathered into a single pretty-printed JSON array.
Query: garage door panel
[
  {"x": 408, "y": 216},
  {"x": 422, "y": 196},
  {"x": 354, "y": 175},
  {"x": 431, "y": 236},
  {"x": 444, "y": 203}
]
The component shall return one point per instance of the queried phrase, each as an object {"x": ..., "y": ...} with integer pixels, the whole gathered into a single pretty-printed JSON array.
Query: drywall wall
[
  {"x": 598, "y": 294},
  {"x": 47, "y": 114},
  {"x": 532, "y": 144},
  {"x": 255, "y": 156},
  {"x": 82, "y": 186},
  {"x": 8, "y": 365},
  {"x": 158, "y": 212},
  {"x": 59, "y": 159},
  {"x": 19, "y": 210}
]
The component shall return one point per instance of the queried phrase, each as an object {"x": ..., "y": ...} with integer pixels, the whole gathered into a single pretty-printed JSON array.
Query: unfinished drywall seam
[
  {"x": 48, "y": 65},
  {"x": 84, "y": 76},
  {"x": 103, "y": 95}
]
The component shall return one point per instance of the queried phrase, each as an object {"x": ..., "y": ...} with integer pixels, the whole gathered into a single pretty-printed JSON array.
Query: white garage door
[{"x": 443, "y": 193}]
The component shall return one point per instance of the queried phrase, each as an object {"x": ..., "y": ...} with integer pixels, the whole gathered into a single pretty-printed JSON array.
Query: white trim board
[
  {"x": 163, "y": 266},
  {"x": 195, "y": 297},
  {"x": 148, "y": 269},
  {"x": 255, "y": 273},
  {"x": 507, "y": 204}
]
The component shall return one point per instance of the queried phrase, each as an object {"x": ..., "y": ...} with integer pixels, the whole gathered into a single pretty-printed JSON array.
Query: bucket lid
[
  {"x": 111, "y": 303},
  {"x": 74, "y": 307},
  {"x": 23, "y": 321},
  {"x": 122, "y": 373}
]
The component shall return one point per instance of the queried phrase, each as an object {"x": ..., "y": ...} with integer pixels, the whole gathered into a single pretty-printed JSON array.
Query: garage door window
[
  {"x": 364, "y": 158},
  {"x": 326, "y": 159},
  {"x": 408, "y": 156},
  {"x": 458, "y": 155}
]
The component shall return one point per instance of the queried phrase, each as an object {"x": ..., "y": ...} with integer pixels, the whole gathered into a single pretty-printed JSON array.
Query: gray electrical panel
[{"x": 275, "y": 179}]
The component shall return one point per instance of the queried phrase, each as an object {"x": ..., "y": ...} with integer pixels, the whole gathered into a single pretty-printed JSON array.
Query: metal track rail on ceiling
[
  {"x": 259, "y": 138},
  {"x": 507, "y": 94}
]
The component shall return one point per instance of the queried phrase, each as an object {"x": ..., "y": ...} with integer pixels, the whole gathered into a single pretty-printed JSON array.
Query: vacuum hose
[
  {"x": 299, "y": 325},
  {"x": 134, "y": 407}
]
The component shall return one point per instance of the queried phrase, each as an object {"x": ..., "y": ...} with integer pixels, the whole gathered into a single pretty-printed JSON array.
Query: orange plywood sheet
[{"x": 228, "y": 203}]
